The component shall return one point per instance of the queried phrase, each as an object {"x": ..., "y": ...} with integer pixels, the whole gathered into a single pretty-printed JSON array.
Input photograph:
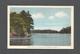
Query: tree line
[{"x": 63, "y": 30}]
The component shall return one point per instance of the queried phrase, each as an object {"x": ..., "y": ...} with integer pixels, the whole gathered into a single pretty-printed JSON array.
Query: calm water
[
  {"x": 44, "y": 39},
  {"x": 51, "y": 39}
]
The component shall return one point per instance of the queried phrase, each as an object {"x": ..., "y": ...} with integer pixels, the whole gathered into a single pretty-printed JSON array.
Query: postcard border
[{"x": 41, "y": 47}]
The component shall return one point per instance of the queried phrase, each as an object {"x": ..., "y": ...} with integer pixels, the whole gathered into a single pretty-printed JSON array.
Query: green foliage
[{"x": 21, "y": 23}]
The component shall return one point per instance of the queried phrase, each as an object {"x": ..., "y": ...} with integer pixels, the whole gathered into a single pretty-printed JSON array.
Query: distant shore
[{"x": 64, "y": 30}]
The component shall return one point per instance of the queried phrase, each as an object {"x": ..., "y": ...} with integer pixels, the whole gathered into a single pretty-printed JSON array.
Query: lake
[{"x": 44, "y": 39}]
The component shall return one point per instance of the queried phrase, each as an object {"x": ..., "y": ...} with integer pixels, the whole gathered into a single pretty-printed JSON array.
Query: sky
[{"x": 47, "y": 18}]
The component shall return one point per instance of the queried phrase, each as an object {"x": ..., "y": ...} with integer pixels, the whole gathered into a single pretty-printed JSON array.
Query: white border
[{"x": 41, "y": 47}]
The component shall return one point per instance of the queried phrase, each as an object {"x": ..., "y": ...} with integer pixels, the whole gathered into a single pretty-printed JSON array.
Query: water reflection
[{"x": 17, "y": 40}]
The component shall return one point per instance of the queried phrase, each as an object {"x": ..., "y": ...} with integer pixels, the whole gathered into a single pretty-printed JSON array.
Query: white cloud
[
  {"x": 38, "y": 16},
  {"x": 57, "y": 15},
  {"x": 51, "y": 17},
  {"x": 60, "y": 14}
]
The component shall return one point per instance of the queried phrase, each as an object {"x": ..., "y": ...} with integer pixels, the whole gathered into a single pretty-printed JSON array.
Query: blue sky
[{"x": 47, "y": 18}]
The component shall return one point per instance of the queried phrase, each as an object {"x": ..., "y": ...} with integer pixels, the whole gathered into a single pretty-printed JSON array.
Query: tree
[
  {"x": 66, "y": 30},
  {"x": 28, "y": 20},
  {"x": 21, "y": 23}
]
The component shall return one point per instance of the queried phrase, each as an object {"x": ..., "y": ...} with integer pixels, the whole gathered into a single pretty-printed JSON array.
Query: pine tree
[{"x": 21, "y": 23}]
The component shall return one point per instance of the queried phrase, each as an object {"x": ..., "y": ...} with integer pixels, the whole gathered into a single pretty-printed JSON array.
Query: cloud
[
  {"x": 57, "y": 15},
  {"x": 38, "y": 16},
  {"x": 51, "y": 17},
  {"x": 60, "y": 14}
]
